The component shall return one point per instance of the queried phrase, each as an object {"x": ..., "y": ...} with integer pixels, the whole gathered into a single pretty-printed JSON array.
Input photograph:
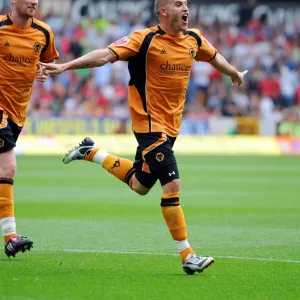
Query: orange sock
[
  {"x": 90, "y": 155},
  {"x": 174, "y": 218},
  {"x": 121, "y": 168},
  {"x": 8, "y": 237},
  {"x": 7, "y": 204},
  {"x": 6, "y": 199},
  {"x": 184, "y": 253}
]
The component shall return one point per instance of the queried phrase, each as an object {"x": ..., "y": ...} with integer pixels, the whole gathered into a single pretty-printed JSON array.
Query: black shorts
[
  {"x": 155, "y": 159},
  {"x": 9, "y": 133}
]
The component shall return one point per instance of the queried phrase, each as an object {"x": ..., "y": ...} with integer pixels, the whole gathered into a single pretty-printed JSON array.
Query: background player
[
  {"x": 18, "y": 69},
  {"x": 160, "y": 60}
]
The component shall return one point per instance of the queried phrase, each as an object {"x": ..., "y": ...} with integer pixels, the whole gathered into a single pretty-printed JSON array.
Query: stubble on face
[
  {"x": 26, "y": 8},
  {"x": 175, "y": 9}
]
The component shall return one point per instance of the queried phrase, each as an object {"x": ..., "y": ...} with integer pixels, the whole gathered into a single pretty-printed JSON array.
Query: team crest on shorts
[
  {"x": 192, "y": 53},
  {"x": 1, "y": 143},
  {"x": 160, "y": 157},
  {"x": 37, "y": 47}
]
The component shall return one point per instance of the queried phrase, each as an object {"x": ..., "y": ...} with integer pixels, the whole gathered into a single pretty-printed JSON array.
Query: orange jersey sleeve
[
  {"x": 128, "y": 46},
  {"x": 206, "y": 51},
  {"x": 49, "y": 52}
]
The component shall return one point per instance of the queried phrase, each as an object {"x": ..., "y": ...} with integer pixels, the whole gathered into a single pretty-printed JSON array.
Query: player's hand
[
  {"x": 237, "y": 79},
  {"x": 50, "y": 68},
  {"x": 40, "y": 76}
]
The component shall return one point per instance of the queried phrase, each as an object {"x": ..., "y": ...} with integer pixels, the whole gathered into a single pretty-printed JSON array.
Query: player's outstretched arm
[
  {"x": 93, "y": 59},
  {"x": 222, "y": 65}
]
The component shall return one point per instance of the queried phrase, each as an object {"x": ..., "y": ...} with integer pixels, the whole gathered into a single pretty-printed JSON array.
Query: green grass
[{"x": 96, "y": 239}]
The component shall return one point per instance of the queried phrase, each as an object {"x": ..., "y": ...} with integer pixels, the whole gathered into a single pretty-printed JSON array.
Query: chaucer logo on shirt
[
  {"x": 19, "y": 59},
  {"x": 175, "y": 69},
  {"x": 122, "y": 41}
]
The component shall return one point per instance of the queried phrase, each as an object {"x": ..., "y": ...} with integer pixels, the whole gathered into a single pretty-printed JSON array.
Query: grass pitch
[{"x": 96, "y": 239}]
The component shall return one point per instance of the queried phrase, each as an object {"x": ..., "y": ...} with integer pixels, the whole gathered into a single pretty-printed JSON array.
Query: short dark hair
[{"x": 157, "y": 6}]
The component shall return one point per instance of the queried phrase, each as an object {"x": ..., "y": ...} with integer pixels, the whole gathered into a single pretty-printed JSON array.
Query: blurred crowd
[{"x": 271, "y": 54}]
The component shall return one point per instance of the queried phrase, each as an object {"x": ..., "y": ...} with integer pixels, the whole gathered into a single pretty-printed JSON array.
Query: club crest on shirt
[
  {"x": 37, "y": 47},
  {"x": 192, "y": 52},
  {"x": 122, "y": 41},
  {"x": 1, "y": 143}
]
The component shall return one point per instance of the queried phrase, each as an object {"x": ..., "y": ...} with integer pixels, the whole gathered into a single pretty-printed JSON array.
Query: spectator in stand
[{"x": 269, "y": 87}]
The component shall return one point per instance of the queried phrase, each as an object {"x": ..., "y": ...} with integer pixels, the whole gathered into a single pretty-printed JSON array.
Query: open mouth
[{"x": 185, "y": 18}]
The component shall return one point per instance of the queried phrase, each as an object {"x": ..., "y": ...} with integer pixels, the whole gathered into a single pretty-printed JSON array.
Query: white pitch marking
[{"x": 167, "y": 254}]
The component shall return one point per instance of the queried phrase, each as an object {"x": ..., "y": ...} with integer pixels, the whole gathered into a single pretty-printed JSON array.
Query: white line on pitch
[{"x": 166, "y": 254}]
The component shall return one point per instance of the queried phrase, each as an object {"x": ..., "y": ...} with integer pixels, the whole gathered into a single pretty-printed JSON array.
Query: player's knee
[
  {"x": 172, "y": 187},
  {"x": 8, "y": 170},
  {"x": 8, "y": 164},
  {"x": 142, "y": 192},
  {"x": 138, "y": 188}
]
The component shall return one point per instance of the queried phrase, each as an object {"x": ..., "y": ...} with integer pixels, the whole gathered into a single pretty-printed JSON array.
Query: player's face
[
  {"x": 178, "y": 11},
  {"x": 26, "y": 8}
]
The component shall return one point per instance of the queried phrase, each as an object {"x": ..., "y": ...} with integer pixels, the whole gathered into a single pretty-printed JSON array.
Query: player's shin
[
  {"x": 174, "y": 218},
  {"x": 7, "y": 219},
  {"x": 121, "y": 168}
]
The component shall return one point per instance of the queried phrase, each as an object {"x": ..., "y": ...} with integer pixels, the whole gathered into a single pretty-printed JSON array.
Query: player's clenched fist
[{"x": 51, "y": 68}]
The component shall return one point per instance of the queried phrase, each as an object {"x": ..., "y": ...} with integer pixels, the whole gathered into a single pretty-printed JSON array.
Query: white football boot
[
  {"x": 195, "y": 263},
  {"x": 79, "y": 152}
]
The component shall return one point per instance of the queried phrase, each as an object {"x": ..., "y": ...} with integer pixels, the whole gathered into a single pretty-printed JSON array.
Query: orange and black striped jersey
[
  {"x": 20, "y": 51},
  {"x": 160, "y": 67}
]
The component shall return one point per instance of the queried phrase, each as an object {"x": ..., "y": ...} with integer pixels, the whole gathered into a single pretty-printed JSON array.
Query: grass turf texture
[{"x": 80, "y": 217}]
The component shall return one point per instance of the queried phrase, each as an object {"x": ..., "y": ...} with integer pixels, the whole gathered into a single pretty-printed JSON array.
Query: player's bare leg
[{"x": 13, "y": 242}]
